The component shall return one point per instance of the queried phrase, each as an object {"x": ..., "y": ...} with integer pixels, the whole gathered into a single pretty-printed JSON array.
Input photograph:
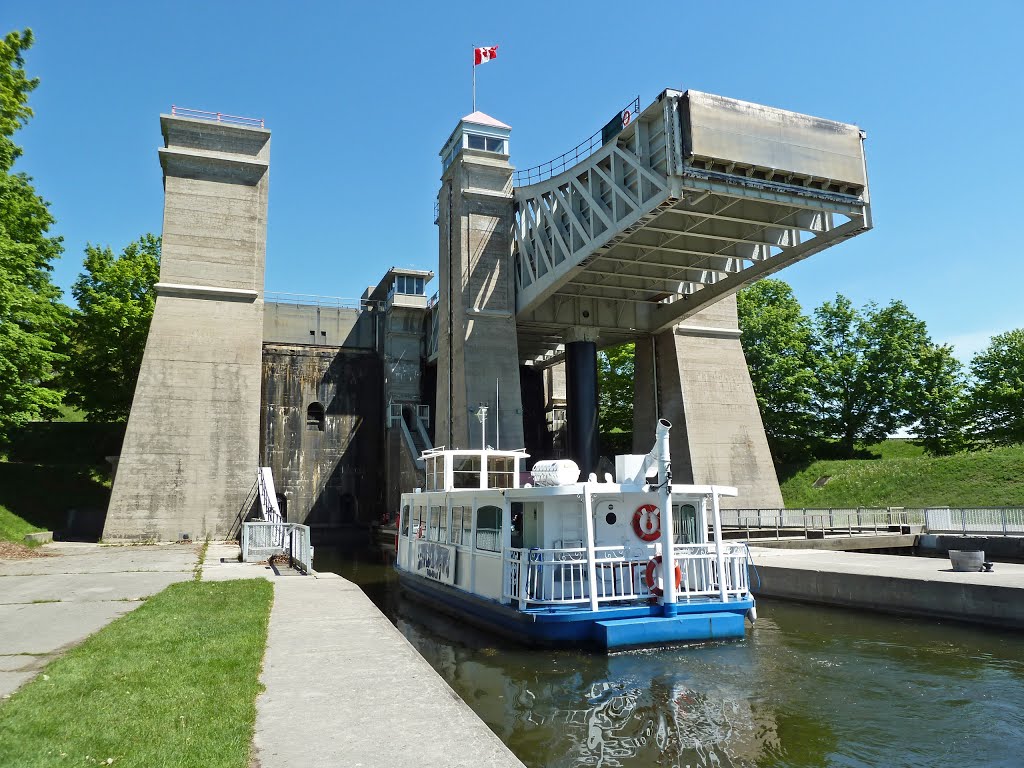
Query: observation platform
[{"x": 674, "y": 208}]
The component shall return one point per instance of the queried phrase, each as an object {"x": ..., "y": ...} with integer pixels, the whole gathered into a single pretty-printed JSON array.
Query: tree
[
  {"x": 115, "y": 305},
  {"x": 776, "y": 338},
  {"x": 615, "y": 372},
  {"x": 941, "y": 408},
  {"x": 31, "y": 314},
  {"x": 996, "y": 399},
  {"x": 867, "y": 371}
]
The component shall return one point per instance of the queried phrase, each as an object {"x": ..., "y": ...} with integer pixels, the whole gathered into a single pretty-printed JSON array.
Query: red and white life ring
[
  {"x": 647, "y": 522},
  {"x": 650, "y": 576}
]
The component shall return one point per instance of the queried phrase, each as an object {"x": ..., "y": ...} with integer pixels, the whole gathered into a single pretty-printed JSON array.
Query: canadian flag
[{"x": 483, "y": 55}]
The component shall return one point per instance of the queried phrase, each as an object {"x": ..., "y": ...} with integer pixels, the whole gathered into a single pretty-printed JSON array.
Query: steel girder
[{"x": 638, "y": 237}]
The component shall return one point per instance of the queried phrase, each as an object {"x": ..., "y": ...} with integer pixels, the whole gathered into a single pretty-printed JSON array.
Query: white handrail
[{"x": 563, "y": 576}]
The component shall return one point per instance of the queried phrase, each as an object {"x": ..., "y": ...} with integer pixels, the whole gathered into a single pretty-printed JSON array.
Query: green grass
[
  {"x": 903, "y": 476},
  {"x": 37, "y": 497},
  {"x": 172, "y": 684}
]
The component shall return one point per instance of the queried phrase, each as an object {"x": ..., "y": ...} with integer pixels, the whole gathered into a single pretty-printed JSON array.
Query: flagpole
[{"x": 474, "y": 78}]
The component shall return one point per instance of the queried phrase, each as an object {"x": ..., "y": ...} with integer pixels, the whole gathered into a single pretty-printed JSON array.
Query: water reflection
[{"x": 808, "y": 687}]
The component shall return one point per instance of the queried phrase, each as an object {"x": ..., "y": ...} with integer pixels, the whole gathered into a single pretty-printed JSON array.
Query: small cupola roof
[
  {"x": 476, "y": 131},
  {"x": 479, "y": 118}
]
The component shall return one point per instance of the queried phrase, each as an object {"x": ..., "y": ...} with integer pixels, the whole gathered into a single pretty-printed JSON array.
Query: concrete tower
[
  {"x": 478, "y": 361},
  {"x": 192, "y": 443}
]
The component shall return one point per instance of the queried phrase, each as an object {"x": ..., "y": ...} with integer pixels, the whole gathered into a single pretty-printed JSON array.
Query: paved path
[
  {"x": 922, "y": 586},
  {"x": 48, "y": 604},
  {"x": 345, "y": 688}
]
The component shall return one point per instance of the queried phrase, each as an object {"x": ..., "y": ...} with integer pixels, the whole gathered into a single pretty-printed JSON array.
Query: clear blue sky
[{"x": 360, "y": 98}]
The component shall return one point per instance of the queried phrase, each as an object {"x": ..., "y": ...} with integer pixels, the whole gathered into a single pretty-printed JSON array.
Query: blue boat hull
[{"x": 609, "y": 628}]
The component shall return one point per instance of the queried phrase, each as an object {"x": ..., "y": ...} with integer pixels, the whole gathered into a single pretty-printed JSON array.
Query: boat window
[
  {"x": 488, "y": 529},
  {"x": 466, "y": 472},
  {"x": 684, "y": 524},
  {"x": 462, "y": 526},
  {"x": 421, "y": 522},
  {"x": 499, "y": 471},
  {"x": 435, "y": 473},
  {"x": 437, "y": 527},
  {"x": 456, "y": 531},
  {"x": 405, "y": 520}
]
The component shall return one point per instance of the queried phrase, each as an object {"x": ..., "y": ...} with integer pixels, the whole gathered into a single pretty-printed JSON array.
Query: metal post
[
  {"x": 591, "y": 554},
  {"x": 717, "y": 522},
  {"x": 668, "y": 560}
]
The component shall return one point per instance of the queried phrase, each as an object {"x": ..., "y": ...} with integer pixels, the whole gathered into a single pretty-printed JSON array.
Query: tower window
[
  {"x": 409, "y": 285},
  {"x": 315, "y": 417},
  {"x": 486, "y": 143}
]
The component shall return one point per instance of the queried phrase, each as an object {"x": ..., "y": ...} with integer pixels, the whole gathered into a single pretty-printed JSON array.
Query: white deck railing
[
  {"x": 561, "y": 576},
  {"x": 263, "y": 540}
]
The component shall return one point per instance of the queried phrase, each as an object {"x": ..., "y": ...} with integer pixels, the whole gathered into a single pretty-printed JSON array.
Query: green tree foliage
[
  {"x": 615, "y": 370},
  {"x": 867, "y": 371},
  {"x": 996, "y": 400},
  {"x": 776, "y": 339},
  {"x": 31, "y": 314},
  {"x": 14, "y": 90},
  {"x": 941, "y": 407},
  {"x": 115, "y": 305}
]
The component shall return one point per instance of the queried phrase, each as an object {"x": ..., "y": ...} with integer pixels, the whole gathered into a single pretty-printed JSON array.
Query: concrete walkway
[
  {"x": 345, "y": 688},
  {"x": 49, "y": 604},
  {"x": 917, "y": 586}
]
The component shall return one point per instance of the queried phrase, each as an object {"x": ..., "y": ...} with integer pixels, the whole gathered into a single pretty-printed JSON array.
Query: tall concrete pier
[
  {"x": 192, "y": 443},
  {"x": 478, "y": 360},
  {"x": 695, "y": 376}
]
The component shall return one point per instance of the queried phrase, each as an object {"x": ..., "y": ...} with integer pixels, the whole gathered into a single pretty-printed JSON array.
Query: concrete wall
[
  {"x": 323, "y": 326},
  {"x": 330, "y": 478},
  {"x": 992, "y": 546},
  {"x": 703, "y": 387},
  {"x": 191, "y": 446},
  {"x": 994, "y": 604},
  {"x": 476, "y": 285}
]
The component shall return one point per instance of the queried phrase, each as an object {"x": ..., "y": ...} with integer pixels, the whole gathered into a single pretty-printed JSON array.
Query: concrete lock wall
[
  {"x": 321, "y": 433},
  {"x": 191, "y": 446},
  {"x": 311, "y": 324}
]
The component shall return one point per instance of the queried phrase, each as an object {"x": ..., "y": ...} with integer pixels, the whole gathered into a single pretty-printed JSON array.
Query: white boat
[{"x": 555, "y": 561}]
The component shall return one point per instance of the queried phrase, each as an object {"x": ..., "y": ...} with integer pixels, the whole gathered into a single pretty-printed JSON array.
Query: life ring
[
  {"x": 652, "y": 580},
  {"x": 652, "y": 514}
]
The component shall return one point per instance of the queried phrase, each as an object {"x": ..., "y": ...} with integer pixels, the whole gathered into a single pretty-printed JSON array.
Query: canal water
[{"x": 809, "y": 686}]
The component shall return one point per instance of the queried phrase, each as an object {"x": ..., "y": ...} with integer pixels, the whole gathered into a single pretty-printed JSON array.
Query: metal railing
[
  {"x": 999, "y": 521},
  {"x": 1005, "y": 521},
  {"x": 312, "y": 300},
  {"x": 834, "y": 522},
  {"x": 561, "y": 576},
  {"x": 218, "y": 117},
  {"x": 263, "y": 540},
  {"x": 581, "y": 151}
]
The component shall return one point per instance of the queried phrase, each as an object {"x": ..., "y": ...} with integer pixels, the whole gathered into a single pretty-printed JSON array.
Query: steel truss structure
[{"x": 697, "y": 198}]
